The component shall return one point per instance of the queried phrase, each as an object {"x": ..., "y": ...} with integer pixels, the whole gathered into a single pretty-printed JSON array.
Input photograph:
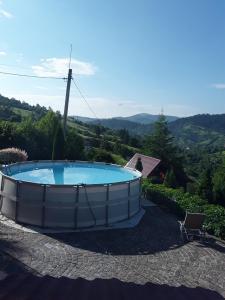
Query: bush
[
  {"x": 74, "y": 145},
  {"x": 12, "y": 155},
  {"x": 215, "y": 219},
  {"x": 119, "y": 160},
  {"x": 100, "y": 155},
  {"x": 104, "y": 156},
  {"x": 170, "y": 179},
  {"x": 178, "y": 202}
]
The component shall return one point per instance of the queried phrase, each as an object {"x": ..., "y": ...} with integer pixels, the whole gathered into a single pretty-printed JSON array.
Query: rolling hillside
[
  {"x": 94, "y": 137},
  {"x": 203, "y": 130},
  {"x": 207, "y": 121}
]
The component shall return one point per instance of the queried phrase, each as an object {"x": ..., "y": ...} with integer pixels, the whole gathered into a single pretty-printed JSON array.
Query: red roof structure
[{"x": 149, "y": 163}]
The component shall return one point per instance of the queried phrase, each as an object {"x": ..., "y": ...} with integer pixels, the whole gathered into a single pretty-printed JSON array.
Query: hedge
[{"x": 178, "y": 202}]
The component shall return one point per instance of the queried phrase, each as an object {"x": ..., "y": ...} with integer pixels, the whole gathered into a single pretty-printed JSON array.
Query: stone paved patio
[{"x": 151, "y": 252}]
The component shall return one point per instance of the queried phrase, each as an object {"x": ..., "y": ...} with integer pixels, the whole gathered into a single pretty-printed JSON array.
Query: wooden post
[{"x": 67, "y": 101}]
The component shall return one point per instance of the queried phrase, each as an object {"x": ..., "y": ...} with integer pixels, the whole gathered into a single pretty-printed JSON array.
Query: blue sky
[{"x": 128, "y": 56}]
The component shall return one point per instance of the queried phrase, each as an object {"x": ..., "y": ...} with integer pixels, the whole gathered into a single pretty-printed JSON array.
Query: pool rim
[{"x": 138, "y": 173}]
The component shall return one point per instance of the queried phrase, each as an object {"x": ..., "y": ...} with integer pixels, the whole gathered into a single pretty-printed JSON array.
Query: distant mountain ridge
[
  {"x": 202, "y": 129},
  {"x": 145, "y": 118},
  {"x": 142, "y": 118}
]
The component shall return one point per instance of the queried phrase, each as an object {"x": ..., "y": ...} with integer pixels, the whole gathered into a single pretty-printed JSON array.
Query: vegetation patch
[{"x": 178, "y": 202}]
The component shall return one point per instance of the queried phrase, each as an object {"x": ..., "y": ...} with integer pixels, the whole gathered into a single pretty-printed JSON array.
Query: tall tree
[
  {"x": 170, "y": 179},
  {"x": 51, "y": 128},
  {"x": 219, "y": 185},
  {"x": 205, "y": 185},
  {"x": 124, "y": 135},
  {"x": 161, "y": 145},
  {"x": 74, "y": 145}
]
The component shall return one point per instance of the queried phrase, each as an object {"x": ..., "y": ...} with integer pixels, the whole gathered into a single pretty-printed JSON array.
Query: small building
[{"x": 150, "y": 165}]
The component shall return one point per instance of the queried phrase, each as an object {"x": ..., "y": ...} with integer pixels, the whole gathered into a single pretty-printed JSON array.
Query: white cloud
[
  {"x": 219, "y": 86},
  {"x": 5, "y": 14},
  {"x": 2, "y": 53},
  {"x": 58, "y": 67}
]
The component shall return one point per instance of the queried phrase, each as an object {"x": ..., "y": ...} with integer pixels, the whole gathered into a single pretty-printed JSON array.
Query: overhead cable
[
  {"x": 84, "y": 98},
  {"x": 32, "y": 76}
]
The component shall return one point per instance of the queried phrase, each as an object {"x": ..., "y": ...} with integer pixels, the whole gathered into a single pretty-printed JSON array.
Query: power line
[
  {"x": 32, "y": 76},
  {"x": 83, "y": 97}
]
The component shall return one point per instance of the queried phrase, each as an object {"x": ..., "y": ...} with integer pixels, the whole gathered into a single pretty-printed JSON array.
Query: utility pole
[
  {"x": 67, "y": 102},
  {"x": 67, "y": 94}
]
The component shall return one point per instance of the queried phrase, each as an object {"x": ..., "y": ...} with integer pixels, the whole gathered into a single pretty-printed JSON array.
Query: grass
[
  {"x": 22, "y": 112},
  {"x": 119, "y": 160}
]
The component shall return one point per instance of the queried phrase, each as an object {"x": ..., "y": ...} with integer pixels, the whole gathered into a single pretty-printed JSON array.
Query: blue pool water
[{"x": 75, "y": 173}]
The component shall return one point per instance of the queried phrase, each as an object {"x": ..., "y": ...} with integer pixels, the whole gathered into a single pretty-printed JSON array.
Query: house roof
[{"x": 149, "y": 163}]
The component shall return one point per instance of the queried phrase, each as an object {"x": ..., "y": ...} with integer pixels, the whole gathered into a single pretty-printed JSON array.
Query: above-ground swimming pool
[{"x": 69, "y": 194}]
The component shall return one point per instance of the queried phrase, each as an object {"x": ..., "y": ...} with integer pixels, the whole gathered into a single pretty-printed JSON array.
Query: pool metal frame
[{"x": 68, "y": 206}]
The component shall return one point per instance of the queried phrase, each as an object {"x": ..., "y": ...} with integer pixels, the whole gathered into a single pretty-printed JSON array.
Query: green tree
[
  {"x": 219, "y": 185},
  {"x": 103, "y": 155},
  {"x": 30, "y": 138},
  {"x": 104, "y": 144},
  {"x": 124, "y": 136},
  {"x": 51, "y": 128},
  {"x": 170, "y": 179},
  {"x": 205, "y": 190},
  {"x": 161, "y": 145},
  {"x": 7, "y": 134},
  {"x": 117, "y": 148},
  {"x": 58, "y": 146},
  {"x": 74, "y": 145}
]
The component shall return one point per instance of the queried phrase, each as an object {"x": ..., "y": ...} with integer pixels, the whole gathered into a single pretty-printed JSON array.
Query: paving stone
[{"x": 150, "y": 252}]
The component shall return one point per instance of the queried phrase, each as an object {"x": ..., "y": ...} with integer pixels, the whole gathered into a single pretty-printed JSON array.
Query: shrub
[
  {"x": 11, "y": 155},
  {"x": 101, "y": 155},
  {"x": 170, "y": 179},
  {"x": 74, "y": 145},
  {"x": 119, "y": 160},
  {"x": 178, "y": 202},
  {"x": 215, "y": 219}
]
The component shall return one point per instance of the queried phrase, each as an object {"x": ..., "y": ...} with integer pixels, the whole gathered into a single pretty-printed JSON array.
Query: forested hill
[
  {"x": 143, "y": 118},
  {"x": 26, "y": 127},
  {"x": 139, "y": 124},
  {"x": 12, "y": 109},
  {"x": 204, "y": 129},
  {"x": 207, "y": 121},
  {"x": 132, "y": 127}
]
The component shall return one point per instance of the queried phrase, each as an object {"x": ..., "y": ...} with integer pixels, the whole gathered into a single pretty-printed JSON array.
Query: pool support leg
[
  {"x": 1, "y": 197},
  {"x": 43, "y": 207},
  {"x": 76, "y": 207},
  {"x": 107, "y": 206},
  {"x": 17, "y": 200},
  {"x": 128, "y": 203}
]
